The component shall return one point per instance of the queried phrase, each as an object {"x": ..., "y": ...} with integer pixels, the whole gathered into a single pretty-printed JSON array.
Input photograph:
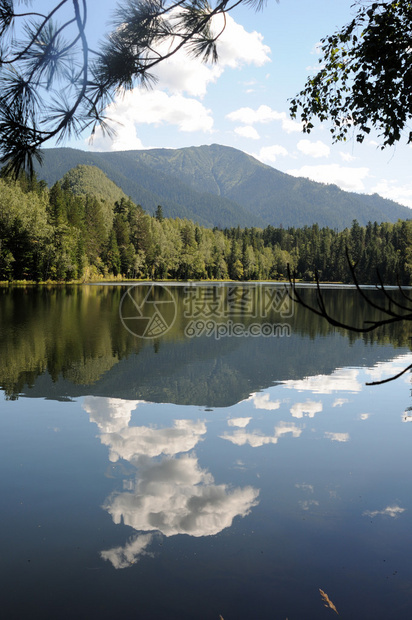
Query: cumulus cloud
[
  {"x": 247, "y": 131},
  {"x": 270, "y": 154},
  {"x": 238, "y": 47},
  {"x": 349, "y": 179},
  {"x": 248, "y": 116},
  {"x": 123, "y": 557},
  {"x": 340, "y": 437},
  {"x": 239, "y": 422},
  {"x": 309, "y": 408},
  {"x": 180, "y": 79},
  {"x": 341, "y": 380},
  {"x": 176, "y": 496},
  {"x": 133, "y": 442},
  {"x": 110, "y": 414},
  {"x": 261, "y": 400},
  {"x": 313, "y": 149},
  {"x": 155, "y": 107},
  {"x": 257, "y": 439},
  {"x": 364, "y": 416},
  {"x": 390, "y": 511},
  {"x": 264, "y": 114}
]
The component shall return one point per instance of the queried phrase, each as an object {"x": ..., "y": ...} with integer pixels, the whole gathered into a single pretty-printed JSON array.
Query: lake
[{"x": 191, "y": 452}]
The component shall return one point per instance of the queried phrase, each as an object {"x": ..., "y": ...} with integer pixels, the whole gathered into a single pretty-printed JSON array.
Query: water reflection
[
  {"x": 68, "y": 342},
  {"x": 281, "y": 432},
  {"x": 256, "y": 438},
  {"x": 171, "y": 493}
]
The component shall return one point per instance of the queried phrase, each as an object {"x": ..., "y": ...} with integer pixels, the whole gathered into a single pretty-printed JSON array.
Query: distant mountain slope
[
  {"x": 150, "y": 187},
  {"x": 222, "y": 186}
]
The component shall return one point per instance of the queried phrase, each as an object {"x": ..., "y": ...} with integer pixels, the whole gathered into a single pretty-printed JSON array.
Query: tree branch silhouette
[{"x": 395, "y": 311}]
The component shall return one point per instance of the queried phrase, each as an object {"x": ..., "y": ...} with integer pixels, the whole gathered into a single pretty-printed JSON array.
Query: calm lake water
[{"x": 204, "y": 452}]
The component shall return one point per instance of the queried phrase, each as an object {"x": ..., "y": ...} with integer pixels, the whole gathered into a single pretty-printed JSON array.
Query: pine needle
[{"x": 327, "y": 602}]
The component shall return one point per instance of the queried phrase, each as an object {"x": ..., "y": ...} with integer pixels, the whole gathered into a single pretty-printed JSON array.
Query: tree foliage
[
  {"x": 53, "y": 85},
  {"x": 54, "y": 234},
  {"x": 365, "y": 76}
]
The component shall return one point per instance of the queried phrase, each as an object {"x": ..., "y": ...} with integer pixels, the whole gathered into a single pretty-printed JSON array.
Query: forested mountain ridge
[
  {"x": 222, "y": 186},
  {"x": 55, "y": 234},
  {"x": 149, "y": 187}
]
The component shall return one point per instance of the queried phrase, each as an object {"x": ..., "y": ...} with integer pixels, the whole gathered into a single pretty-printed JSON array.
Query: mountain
[{"x": 222, "y": 186}]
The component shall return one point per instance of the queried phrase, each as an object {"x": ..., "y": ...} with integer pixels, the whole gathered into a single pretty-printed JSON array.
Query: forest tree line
[{"x": 53, "y": 234}]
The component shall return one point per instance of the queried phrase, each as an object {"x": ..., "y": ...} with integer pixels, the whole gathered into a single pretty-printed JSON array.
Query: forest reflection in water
[
  {"x": 231, "y": 476},
  {"x": 70, "y": 340}
]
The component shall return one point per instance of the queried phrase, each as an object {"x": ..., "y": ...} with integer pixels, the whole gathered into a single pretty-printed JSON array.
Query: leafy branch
[{"x": 365, "y": 76}]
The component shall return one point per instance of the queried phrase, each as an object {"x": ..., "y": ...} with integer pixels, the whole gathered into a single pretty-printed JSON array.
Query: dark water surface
[{"x": 207, "y": 451}]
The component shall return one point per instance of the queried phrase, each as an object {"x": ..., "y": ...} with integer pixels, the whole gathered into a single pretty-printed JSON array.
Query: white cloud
[
  {"x": 182, "y": 73},
  {"x": 317, "y": 48},
  {"x": 110, "y": 414},
  {"x": 309, "y": 408},
  {"x": 248, "y": 116},
  {"x": 269, "y": 154},
  {"x": 247, "y": 131},
  {"x": 341, "y": 437},
  {"x": 313, "y": 149},
  {"x": 257, "y": 439},
  {"x": 262, "y": 401},
  {"x": 138, "y": 107},
  {"x": 176, "y": 496},
  {"x": 179, "y": 79},
  {"x": 394, "y": 191},
  {"x": 341, "y": 380},
  {"x": 384, "y": 370},
  {"x": 290, "y": 126},
  {"x": 264, "y": 114},
  {"x": 240, "y": 422},
  {"x": 347, "y": 157},
  {"x": 237, "y": 47},
  {"x": 364, "y": 416},
  {"x": 123, "y": 557},
  {"x": 338, "y": 402},
  {"x": 133, "y": 442},
  {"x": 390, "y": 511},
  {"x": 349, "y": 179}
]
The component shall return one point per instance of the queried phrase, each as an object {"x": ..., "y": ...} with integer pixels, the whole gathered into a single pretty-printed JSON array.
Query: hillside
[
  {"x": 83, "y": 180},
  {"x": 222, "y": 186},
  {"x": 149, "y": 187}
]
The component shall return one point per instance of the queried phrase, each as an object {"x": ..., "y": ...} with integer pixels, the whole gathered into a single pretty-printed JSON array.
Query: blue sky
[{"x": 242, "y": 101}]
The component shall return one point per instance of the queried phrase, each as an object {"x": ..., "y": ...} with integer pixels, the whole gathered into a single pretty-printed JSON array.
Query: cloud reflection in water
[{"x": 170, "y": 495}]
